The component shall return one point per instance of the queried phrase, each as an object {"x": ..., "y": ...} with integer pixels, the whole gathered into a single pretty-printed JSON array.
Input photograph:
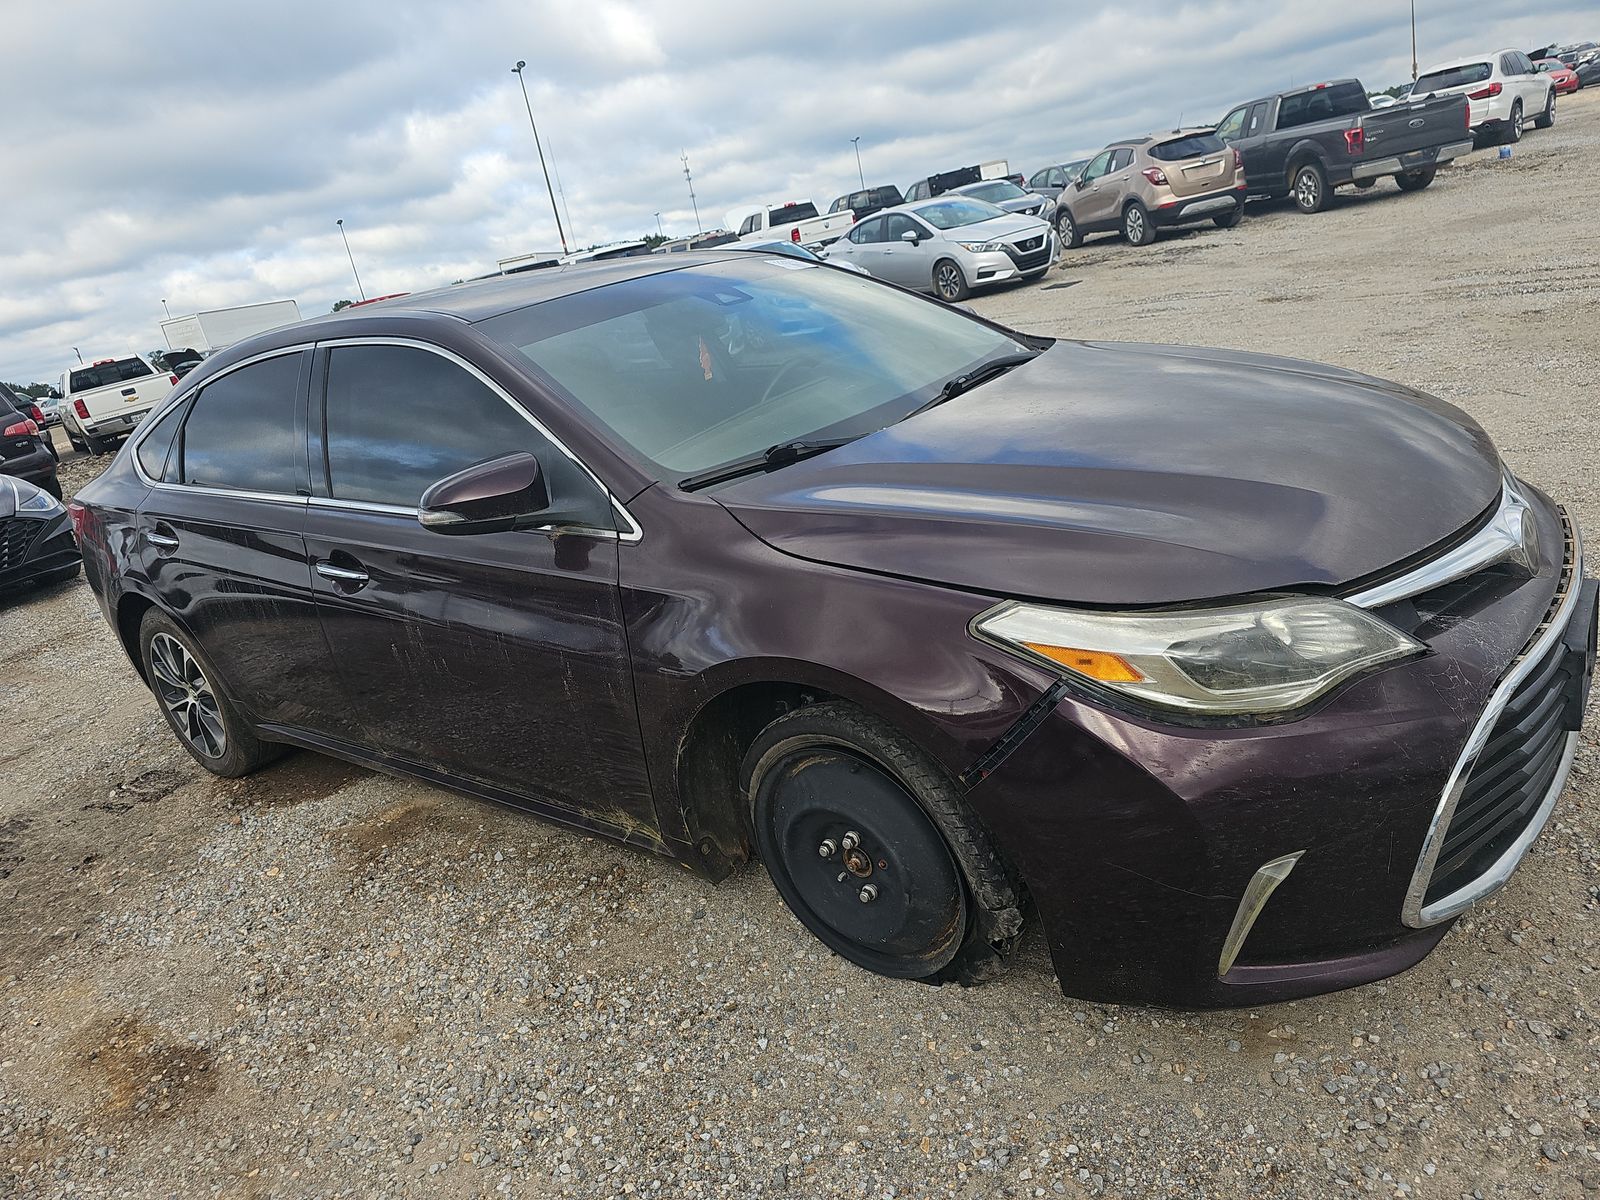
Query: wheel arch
[
  {"x": 1301, "y": 153},
  {"x": 130, "y": 611}
]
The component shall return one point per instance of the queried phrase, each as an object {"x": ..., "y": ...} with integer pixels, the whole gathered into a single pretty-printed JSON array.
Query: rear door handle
[
  {"x": 161, "y": 541},
  {"x": 338, "y": 574}
]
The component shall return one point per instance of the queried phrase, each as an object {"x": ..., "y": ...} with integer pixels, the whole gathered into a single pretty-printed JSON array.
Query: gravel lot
[{"x": 320, "y": 981}]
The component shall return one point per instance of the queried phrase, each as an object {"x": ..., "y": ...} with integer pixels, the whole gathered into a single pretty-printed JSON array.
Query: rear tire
[
  {"x": 53, "y": 486},
  {"x": 1513, "y": 130},
  {"x": 1137, "y": 228},
  {"x": 1415, "y": 181},
  {"x": 191, "y": 698},
  {"x": 949, "y": 284},
  {"x": 1547, "y": 118},
  {"x": 1229, "y": 220},
  {"x": 1310, "y": 187},
  {"x": 1363, "y": 184},
  {"x": 943, "y": 907},
  {"x": 95, "y": 446}
]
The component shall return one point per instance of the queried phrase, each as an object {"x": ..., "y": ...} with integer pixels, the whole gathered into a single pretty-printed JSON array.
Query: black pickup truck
[{"x": 1309, "y": 141}]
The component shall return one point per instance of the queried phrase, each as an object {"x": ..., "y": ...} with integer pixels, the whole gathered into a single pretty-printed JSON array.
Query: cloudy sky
[{"x": 201, "y": 153}]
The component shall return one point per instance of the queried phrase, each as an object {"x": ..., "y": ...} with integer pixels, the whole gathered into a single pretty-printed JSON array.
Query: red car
[{"x": 1563, "y": 76}]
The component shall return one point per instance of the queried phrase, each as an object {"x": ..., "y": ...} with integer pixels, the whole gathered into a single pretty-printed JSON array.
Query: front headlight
[
  {"x": 1247, "y": 659},
  {"x": 40, "y": 502},
  {"x": 981, "y": 247}
]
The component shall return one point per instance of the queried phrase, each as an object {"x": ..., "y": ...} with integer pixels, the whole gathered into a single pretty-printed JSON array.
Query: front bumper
[
  {"x": 1198, "y": 208},
  {"x": 33, "y": 546},
  {"x": 1140, "y": 841},
  {"x": 1001, "y": 266}
]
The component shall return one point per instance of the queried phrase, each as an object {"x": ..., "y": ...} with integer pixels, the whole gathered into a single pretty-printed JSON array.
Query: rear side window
[
  {"x": 1196, "y": 146},
  {"x": 399, "y": 419},
  {"x": 156, "y": 446},
  {"x": 86, "y": 379},
  {"x": 241, "y": 432},
  {"x": 1438, "y": 81}
]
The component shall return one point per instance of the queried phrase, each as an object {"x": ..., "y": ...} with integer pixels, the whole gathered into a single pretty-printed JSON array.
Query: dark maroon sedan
[{"x": 1246, "y": 676}]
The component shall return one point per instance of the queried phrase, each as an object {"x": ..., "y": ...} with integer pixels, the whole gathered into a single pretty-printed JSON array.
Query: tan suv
[{"x": 1143, "y": 185}]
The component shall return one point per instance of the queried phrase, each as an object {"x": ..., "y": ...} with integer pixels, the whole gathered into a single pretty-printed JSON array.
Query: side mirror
[
  {"x": 504, "y": 493},
  {"x": 911, "y": 236}
]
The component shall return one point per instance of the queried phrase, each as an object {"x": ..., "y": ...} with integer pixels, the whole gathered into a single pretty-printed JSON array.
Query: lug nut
[
  {"x": 827, "y": 849},
  {"x": 850, "y": 840},
  {"x": 869, "y": 893}
]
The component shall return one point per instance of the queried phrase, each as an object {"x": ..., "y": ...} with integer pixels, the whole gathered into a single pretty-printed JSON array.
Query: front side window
[
  {"x": 695, "y": 368},
  {"x": 154, "y": 449},
  {"x": 1097, "y": 167},
  {"x": 401, "y": 418},
  {"x": 1232, "y": 126},
  {"x": 898, "y": 225},
  {"x": 241, "y": 433}
]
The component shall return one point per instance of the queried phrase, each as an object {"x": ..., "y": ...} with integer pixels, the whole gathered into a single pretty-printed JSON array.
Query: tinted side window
[
  {"x": 399, "y": 419},
  {"x": 154, "y": 446},
  {"x": 1232, "y": 125},
  {"x": 868, "y": 231},
  {"x": 1121, "y": 160},
  {"x": 241, "y": 431},
  {"x": 1257, "y": 120},
  {"x": 898, "y": 226}
]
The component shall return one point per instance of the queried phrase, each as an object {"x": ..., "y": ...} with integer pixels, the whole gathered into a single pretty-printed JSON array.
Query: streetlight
[
  {"x": 1413, "y": 41},
  {"x": 659, "y": 233},
  {"x": 856, "y": 142},
  {"x": 166, "y": 310},
  {"x": 562, "y": 233},
  {"x": 351, "y": 257}
]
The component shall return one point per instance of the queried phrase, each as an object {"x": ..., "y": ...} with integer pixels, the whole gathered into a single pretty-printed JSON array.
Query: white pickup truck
[
  {"x": 798, "y": 221},
  {"x": 105, "y": 399}
]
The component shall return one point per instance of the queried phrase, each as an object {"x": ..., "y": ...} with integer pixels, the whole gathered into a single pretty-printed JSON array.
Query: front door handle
[
  {"x": 348, "y": 576},
  {"x": 161, "y": 541}
]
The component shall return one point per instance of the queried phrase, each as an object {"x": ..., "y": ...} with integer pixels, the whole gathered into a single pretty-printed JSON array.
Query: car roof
[{"x": 480, "y": 299}]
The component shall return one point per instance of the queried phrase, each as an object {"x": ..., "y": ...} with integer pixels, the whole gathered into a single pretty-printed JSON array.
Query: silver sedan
[{"x": 948, "y": 246}]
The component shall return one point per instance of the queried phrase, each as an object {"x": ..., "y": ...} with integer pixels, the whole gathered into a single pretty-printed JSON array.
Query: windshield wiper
[
  {"x": 981, "y": 373},
  {"x": 780, "y": 455}
]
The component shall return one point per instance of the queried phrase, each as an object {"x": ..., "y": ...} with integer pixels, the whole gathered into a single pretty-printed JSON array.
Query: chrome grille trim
[{"x": 1414, "y": 912}]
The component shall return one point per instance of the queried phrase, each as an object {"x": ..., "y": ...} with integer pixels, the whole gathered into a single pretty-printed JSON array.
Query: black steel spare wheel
[{"x": 859, "y": 862}]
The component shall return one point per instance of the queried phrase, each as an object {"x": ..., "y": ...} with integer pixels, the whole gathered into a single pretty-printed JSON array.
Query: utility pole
[
  {"x": 856, "y": 142},
  {"x": 351, "y": 257},
  {"x": 1414, "y": 72},
  {"x": 166, "y": 310},
  {"x": 537, "y": 145},
  {"x": 699, "y": 228}
]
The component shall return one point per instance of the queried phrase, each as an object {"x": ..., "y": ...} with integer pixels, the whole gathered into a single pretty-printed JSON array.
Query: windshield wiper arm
[
  {"x": 981, "y": 373},
  {"x": 780, "y": 455}
]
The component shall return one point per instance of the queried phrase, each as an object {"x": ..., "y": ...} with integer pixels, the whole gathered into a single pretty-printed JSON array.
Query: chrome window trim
[
  {"x": 631, "y": 531},
  {"x": 1504, "y": 538},
  {"x": 180, "y": 395},
  {"x": 1414, "y": 913}
]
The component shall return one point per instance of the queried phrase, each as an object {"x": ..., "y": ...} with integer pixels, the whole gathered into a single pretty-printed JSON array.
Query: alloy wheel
[
  {"x": 187, "y": 696},
  {"x": 1133, "y": 224},
  {"x": 1307, "y": 189},
  {"x": 1514, "y": 130},
  {"x": 948, "y": 281}
]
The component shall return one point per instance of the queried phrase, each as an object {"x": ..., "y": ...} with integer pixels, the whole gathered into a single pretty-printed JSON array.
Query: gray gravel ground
[{"x": 324, "y": 982}]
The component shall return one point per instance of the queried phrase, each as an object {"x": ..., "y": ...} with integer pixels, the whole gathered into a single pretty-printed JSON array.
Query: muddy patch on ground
[
  {"x": 298, "y": 779},
  {"x": 137, "y": 1070}
]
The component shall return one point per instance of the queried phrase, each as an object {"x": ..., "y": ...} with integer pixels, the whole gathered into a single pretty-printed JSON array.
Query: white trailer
[{"x": 219, "y": 327}]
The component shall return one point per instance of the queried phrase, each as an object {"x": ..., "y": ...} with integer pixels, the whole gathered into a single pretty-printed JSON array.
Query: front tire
[
  {"x": 1415, "y": 181},
  {"x": 1310, "y": 187},
  {"x": 873, "y": 849},
  {"x": 949, "y": 284},
  {"x": 192, "y": 700},
  {"x": 1067, "y": 230},
  {"x": 1547, "y": 118},
  {"x": 1137, "y": 228}
]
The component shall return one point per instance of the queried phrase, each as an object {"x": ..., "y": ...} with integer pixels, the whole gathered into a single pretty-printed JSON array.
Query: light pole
[
  {"x": 659, "y": 232},
  {"x": 351, "y": 257},
  {"x": 1413, "y": 41},
  {"x": 856, "y": 142},
  {"x": 689, "y": 178},
  {"x": 79, "y": 353},
  {"x": 537, "y": 145},
  {"x": 166, "y": 310}
]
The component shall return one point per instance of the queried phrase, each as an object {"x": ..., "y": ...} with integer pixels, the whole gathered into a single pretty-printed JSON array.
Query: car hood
[
  {"x": 1120, "y": 474},
  {"x": 1010, "y": 225}
]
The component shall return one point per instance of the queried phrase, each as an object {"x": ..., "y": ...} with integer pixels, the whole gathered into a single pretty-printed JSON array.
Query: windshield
[
  {"x": 1435, "y": 81},
  {"x": 994, "y": 191},
  {"x": 699, "y": 367},
  {"x": 953, "y": 213}
]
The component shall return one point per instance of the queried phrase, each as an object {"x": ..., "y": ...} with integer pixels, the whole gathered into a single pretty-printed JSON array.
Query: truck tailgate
[
  {"x": 130, "y": 396},
  {"x": 1425, "y": 125}
]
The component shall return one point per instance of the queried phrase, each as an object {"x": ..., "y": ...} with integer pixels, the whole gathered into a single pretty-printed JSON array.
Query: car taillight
[
  {"x": 82, "y": 409},
  {"x": 1487, "y": 93},
  {"x": 33, "y": 411},
  {"x": 23, "y": 428},
  {"x": 1355, "y": 140},
  {"x": 1155, "y": 175},
  {"x": 794, "y": 235},
  {"x": 1238, "y": 160},
  {"x": 79, "y": 515},
  {"x": 173, "y": 379}
]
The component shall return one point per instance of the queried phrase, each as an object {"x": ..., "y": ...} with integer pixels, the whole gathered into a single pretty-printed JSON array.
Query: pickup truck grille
[{"x": 16, "y": 535}]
